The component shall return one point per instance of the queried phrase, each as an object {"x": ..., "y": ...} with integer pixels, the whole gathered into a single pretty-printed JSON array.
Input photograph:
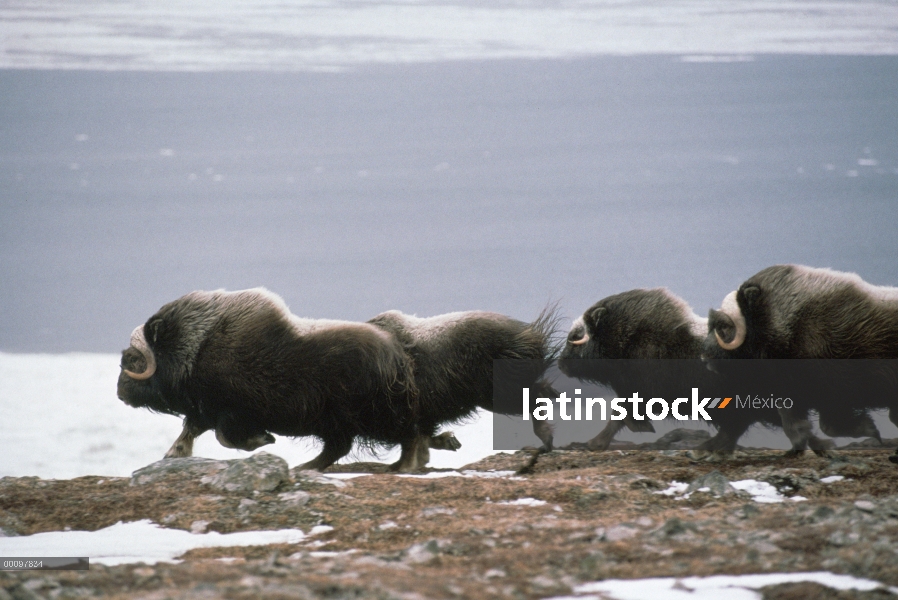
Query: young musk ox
[
  {"x": 241, "y": 364},
  {"x": 794, "y": 311},
  {"x": 452, "y": 359},
  {"x": 643, "y": 325}
]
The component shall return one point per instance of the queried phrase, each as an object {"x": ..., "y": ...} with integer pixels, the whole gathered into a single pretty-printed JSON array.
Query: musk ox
[
  {"x": 653, "y": 324},
  {"x": 452, "y": 360},
  {"x": 241, "y": 364},
  {"x": 794, "y": 311}
]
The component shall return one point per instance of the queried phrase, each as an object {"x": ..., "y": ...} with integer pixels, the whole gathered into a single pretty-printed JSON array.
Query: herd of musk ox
[{"x": 241, "y": 364}]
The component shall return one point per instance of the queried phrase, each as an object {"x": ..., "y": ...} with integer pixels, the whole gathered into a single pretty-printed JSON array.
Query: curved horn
[
  {"x": 578, "y": 324},
  {"x": 139, "y": 343},
  {"x": 731, "y": 309},
  {"x": 582, "y": 340}
]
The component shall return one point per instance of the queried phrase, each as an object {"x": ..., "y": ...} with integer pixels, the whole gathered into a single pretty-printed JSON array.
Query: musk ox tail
[{"x": 547, "y": 325}]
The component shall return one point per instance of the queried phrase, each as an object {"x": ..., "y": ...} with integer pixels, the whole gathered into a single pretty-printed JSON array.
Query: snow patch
[
  {"x": 141, "y": 541},
  {"x": 732, "y": 587}
]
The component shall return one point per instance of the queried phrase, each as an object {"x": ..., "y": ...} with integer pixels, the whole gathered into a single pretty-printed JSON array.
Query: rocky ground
[{"x": 575, "y": 516}]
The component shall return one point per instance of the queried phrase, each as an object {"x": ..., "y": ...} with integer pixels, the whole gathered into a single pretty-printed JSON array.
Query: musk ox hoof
[
  {"x": 698, "y": 454},
  {"x": 894, "y": 458},
  {"x": 179, "y": 451},
  {"x": 445, "y": 441},
  {"x": 598, "y": 444},
  {"x": 822, "y": 447}
]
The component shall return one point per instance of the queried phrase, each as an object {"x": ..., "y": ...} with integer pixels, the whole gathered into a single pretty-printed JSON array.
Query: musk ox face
[
  {"x": 636, "y": 324},
  {"x": 793, "y": 311}
]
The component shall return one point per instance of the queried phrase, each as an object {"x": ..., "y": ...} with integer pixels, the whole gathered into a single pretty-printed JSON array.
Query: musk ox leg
[
  {"x": 605, "y": 437},
  {"x": 183, "y": 446},
  {"x": 334, "y": 450},
  {"x": 799, "y": 431},
  {"x": 415, "y": 454},
  {"x": 722, "y": 445},
  {"x": 546, "y": 434},
  {"x": 849, "y": 425}
]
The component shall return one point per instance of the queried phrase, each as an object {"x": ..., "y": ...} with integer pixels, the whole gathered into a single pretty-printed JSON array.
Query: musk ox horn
[
  {"x": 731, "y": 309},
  {"x": 139, "y": 343},
  {"x": 578, "y": 326},
  {"x": 582, "y": 340}
]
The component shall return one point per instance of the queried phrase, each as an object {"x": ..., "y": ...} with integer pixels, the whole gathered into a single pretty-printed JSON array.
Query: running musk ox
[
  {"x": 241, "y": 364},
  {"x": 794, "y": 311},
  {"x": 452, "y": 360},
  {"x": 653, "y": 324}
]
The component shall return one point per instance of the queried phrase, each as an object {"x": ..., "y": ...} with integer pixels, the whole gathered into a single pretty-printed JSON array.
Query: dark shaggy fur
[
  {"x": 239, "y": 363},
  {"x": 793, "y": 311},
  {"x": 452, "y": 357},
  {"x": 653, "y": 324}
]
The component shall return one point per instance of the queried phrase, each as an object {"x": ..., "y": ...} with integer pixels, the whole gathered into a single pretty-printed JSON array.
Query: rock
[
  {"x": 317, "y": 478},
  {"x": 791, "y": 479},
  {"x": 674, "y": 527},
  {"x": 192, "y": 466},
  {"x": 421, "y": 553},
  {"x": 199, "y": 526},
  {"x": 865, "y": 505},
  {"x": 680, "y": 439},
  {"x": 712, "y": 483},
  {"x": 869, "y": 442},
  {"x": 297, "y": 498},
  {"x": 262, "y": 472},
  {"x": 10, "y": 524},
  {"x": 615, "y": 533}
]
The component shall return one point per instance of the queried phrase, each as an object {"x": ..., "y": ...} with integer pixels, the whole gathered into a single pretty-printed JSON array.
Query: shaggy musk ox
[
  {"x": 241, "y": 364},
  {"x": 452, "y": 359},
  {"x": 794, "y": 311},
  {"x": 653, "y": 324}
]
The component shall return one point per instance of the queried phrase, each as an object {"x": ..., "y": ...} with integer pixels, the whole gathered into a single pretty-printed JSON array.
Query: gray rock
[
  {"x": 318, "y": 478},
  {"x": 192, "y": 466},
  {"x": 297, "y": 498},
  {"x": 791, "y": 479},
  {"x": 681, "y": 439},
  {"x": 715, "y": 482},
  {"x": 261, "y": 472}
]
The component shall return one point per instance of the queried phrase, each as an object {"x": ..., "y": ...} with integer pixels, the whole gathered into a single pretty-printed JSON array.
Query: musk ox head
[
  {"x": 793, "y": 311},
  {"x": 164, "y": 350},
  {"x": 642, "y": 323}
]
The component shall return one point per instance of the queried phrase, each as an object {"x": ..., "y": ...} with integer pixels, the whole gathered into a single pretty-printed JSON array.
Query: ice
[{"x": 330, "y": 36}]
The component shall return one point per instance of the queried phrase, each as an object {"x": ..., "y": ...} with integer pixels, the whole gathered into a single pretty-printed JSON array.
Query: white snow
[
  {"x": 763, "y": 492},
  {"x": 62, "y": 419},
  {"x": 676, "y": 488},
  {"x": 331, "y": 35},
  {"x": 523, "y": 502},
  {"x": 467, "y": 473},
  {"x": 731, "y": 587},
  {"x": 760, "y": 491},
  {"x": 139, "y": 541}
]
